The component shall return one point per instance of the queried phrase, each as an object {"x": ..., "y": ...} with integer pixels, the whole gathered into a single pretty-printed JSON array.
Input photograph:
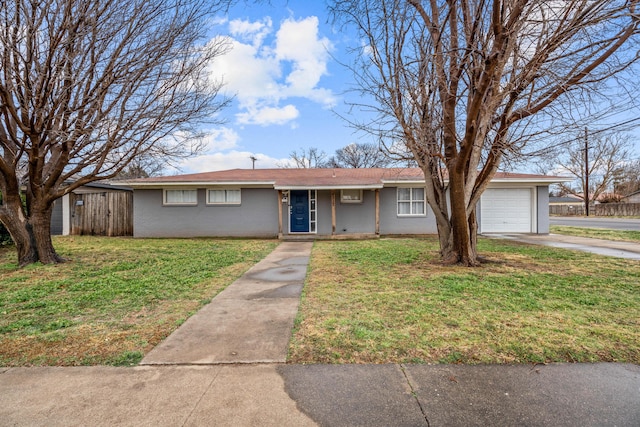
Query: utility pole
[
  {"x": 586, "y": 172},
  {"x": 253, "y": 161}
]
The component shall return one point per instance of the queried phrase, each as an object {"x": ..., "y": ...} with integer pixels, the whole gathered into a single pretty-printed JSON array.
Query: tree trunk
[
  {"x": 40, "y": 222},
  {"x": 445, "y": 237},
  {"x": 463, "y": 250},
  {"x": 31, "y": 234}
]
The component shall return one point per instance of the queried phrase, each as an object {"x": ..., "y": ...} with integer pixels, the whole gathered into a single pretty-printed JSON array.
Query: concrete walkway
[
  {"x": 223, "y": 367},
  {"x": 249, "y": 322}
]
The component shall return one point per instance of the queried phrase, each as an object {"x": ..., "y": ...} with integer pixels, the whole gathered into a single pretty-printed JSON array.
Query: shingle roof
[{"x": 318, "y": 177}]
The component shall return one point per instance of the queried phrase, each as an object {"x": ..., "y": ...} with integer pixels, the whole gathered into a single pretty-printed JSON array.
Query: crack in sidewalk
[
  {"x": 414, "y": 394},
  {"x": 213, "y": 380}
]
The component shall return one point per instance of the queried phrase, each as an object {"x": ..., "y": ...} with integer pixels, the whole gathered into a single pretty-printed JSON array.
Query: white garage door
[{"x": 506, "y": 210}]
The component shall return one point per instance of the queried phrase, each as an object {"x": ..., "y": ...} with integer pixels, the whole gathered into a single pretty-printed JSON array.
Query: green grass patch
[
  {"x": 391, "y": 300},
  {"x": 598, "y": 233},
  {"x": 115, "y": 299}
]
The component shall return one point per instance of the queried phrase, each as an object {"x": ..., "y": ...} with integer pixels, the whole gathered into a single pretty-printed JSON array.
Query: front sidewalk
[{"x": 600, "y": 394}]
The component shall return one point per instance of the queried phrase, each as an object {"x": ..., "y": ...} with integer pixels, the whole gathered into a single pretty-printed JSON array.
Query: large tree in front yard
[
  {"x": 87, "y": 86},
  {"x": 463, "y": 84}
]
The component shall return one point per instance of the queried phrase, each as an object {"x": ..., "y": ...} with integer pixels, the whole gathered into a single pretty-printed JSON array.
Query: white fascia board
[
  {"x": 202, "y": 184},
  {"x": 329, "y": 187},
  {"x": 532, "y": 181},
  {"x": 394, "y": 183}
]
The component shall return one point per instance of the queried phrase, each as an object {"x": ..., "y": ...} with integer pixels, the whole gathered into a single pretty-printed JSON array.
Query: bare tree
[
  {"x": 462, "y": 84},
  {"x": 86, "y": 87},
  {"x": 306, "y": 159},
  {"x": 595, "y": 160},
  {"x": 143, "y": 167},
  {"x": 360, "y": 155},
  {"x": 627, "y": 180}
]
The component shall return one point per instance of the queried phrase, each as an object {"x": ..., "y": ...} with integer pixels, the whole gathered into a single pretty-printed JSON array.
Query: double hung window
[
  {"x": 180, "y": 197},
  {"x": 223, "y": 197},
  {"x": 411, "y": 201}
]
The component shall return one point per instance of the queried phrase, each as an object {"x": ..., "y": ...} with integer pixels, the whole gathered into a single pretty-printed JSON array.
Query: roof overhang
[
  {"x": 506, "y": 180},
  {"x": 200, "y": 184},
  {"x": 393, "y": 182},
  {"x": 329, "y": 187},
  {"x": 533, "y": 181}
]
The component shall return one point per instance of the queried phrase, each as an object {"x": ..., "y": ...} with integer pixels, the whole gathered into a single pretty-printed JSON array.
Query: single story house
[
  {"x": 632, "y": 198},
  {"x": 328, "y": 203},
  {"x": 565, "y": 201},
  {"x": 566, "y": 205}
]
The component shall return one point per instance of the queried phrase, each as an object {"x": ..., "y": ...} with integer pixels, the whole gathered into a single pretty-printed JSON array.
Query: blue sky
[{"x": 284, "y": 73}]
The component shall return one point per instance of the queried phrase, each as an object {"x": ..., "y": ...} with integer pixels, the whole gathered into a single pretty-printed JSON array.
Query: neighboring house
[
  {"x": 322, "y": 203},
  {"x": 565, "y": 201},
  {"x": 632, "y": 198},
  {"x": 96, "y": 208},
  {"x": 566, "y": 205}
]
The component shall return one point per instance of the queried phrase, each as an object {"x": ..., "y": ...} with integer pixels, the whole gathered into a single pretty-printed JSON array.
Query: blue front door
[{"x": 299, "y": 211}]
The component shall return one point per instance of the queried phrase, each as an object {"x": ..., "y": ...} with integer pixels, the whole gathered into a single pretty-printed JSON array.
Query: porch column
[
  {"x": 377, "y": 211},
  {"x": 333, "y": 212},
  {"x": 279, "y": 213}
]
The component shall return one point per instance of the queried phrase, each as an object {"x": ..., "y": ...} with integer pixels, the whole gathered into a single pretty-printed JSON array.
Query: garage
[{"x": 506, "y": 210}]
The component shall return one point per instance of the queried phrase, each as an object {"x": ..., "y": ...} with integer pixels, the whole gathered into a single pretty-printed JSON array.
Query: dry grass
[
  {"x": 391, "y": 301},
  {"x": 598, "y": 233},
  {"x": 115, "y": 300}
]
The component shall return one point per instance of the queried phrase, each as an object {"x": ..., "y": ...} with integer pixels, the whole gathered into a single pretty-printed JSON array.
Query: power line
[{"x": 592, "y": 132}]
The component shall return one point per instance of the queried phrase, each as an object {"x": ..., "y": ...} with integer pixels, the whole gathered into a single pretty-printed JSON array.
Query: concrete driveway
[{"x": 627, "y": 250}]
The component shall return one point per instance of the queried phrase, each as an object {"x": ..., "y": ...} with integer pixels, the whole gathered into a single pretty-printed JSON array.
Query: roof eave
[
  {"x": 329, "y": 187},
  {"x": 161, "y": 184},
  {"x": 550, "y": 180}
]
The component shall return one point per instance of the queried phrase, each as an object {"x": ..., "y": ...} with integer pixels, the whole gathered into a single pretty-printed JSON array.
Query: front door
[{"x": 299, "y": 211}]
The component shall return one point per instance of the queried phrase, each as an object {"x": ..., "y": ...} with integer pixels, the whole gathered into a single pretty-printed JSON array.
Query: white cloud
[
  {"x": 299, "y": 43},
  {"x": 263, "y": 69},
  {"x": 221, "y": 139},
  {"x": 246, "y": 75},
  {"x": 230, "y": 160},
  {"x": 254, "y": 32},
  {"x": 265, "y": 116}
]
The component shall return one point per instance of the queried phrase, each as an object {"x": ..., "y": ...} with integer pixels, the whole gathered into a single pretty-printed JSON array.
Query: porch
[{"x": 303, "y": 214}]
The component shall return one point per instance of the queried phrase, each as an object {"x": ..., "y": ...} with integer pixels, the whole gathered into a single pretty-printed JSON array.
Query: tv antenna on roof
[{"x": 253, "y": 161}]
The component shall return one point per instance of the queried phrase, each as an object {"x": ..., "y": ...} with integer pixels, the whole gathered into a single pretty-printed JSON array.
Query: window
[
  {"x": 312, "y": 211},
  {"x": 351, "y": 196},
  {"x": 180, "y": 197},
  {"x": 223, "y": 197},
  {"x": 411, "y": 201}
]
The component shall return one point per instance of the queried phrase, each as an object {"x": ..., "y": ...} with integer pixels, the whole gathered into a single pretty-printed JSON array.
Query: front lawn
[
  {"x": 115, "y": 300},
  {"x": 390, "y": 300},
  {"x": 598, "y": 233}
]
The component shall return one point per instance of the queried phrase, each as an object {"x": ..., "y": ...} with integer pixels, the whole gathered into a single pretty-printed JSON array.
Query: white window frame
[
  {"x": 226, "y": 196},
  {"x": 166, "y": 202},
  {"x": 313, "y": 212},
  {"x": 411, "y": 201},
  {"x": 348, "y": 200}
]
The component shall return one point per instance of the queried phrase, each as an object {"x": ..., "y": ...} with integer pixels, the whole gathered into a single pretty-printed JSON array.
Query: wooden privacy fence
[
  {"x": 616, "y": 209},
  {"x": 102, "y": 214},
  {"x": 602, "y": 209},
  {"x": 566, "y": 210}
]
